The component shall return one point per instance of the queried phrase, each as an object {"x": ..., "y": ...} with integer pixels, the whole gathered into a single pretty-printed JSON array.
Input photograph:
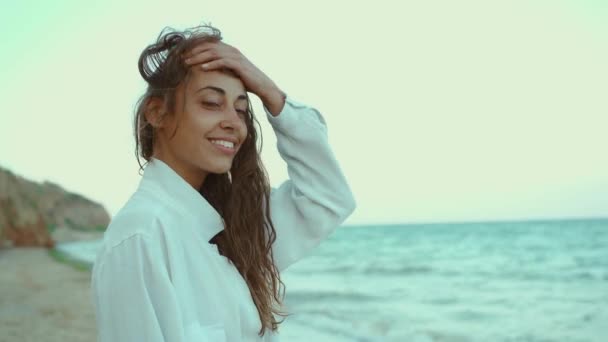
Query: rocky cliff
[{"x": 30, "y": 212}]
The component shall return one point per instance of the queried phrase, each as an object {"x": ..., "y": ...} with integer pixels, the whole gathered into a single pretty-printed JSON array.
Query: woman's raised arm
[{"x": 316, "y": 198}]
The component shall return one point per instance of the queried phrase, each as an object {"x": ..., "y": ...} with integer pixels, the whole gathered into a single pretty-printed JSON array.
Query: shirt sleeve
[
  {"x": 316, "y": 198},
  {"x": 133, "y": 295}
]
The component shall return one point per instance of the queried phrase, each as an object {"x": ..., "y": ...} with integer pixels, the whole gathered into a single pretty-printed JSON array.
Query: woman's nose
[{"x": 231, "y": 120}]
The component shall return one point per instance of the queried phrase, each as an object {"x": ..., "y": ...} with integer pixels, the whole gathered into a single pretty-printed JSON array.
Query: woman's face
[{"x": 210, "y": 122}]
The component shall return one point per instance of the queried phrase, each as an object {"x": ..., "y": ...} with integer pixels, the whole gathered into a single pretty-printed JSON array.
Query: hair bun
[
  {"x": 154, "y": 56},
  {"x": 171, "y": 44}
]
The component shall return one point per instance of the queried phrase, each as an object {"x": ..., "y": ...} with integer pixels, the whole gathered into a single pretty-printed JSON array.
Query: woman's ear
[{"x": 155, "y": 110}]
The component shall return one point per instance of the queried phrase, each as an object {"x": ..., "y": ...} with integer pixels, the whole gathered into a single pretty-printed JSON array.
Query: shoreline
[{"x": 45, "y": 296}]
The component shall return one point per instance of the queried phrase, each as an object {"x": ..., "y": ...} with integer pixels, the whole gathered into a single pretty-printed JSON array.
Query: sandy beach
[{"x": 42, "y": 299}]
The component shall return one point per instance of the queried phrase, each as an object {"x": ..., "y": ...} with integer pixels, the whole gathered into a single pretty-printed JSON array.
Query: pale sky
[{"x": 436, "y": 110}]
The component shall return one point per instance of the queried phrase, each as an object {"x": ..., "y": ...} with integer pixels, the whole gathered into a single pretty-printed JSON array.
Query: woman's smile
[{"x": 224, "y": 146}]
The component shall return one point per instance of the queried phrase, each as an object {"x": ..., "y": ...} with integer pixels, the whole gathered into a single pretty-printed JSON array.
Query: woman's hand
[{"x": 218, "y": 55}]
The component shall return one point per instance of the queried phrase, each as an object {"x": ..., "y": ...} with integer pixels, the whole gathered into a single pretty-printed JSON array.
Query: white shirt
[{"x": 157, "y": 278}]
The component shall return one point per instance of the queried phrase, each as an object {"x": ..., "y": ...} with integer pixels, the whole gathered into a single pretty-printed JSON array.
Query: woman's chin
[{"x": 221, "y": 169}]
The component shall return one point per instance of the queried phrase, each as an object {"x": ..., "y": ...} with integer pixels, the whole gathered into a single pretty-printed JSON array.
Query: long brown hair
[{"x": 240, "y": 197}]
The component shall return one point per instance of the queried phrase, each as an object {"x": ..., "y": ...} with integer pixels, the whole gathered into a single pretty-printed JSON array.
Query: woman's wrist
[{"x": 274, "y": 100}]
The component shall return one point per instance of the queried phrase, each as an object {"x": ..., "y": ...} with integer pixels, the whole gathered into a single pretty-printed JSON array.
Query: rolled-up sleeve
[
  {"x": 316, "y": 198},
  {"x": 133, "y": 296}
]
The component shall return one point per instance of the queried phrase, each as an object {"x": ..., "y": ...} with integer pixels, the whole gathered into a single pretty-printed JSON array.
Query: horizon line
[{"x": 516, "y": 220}]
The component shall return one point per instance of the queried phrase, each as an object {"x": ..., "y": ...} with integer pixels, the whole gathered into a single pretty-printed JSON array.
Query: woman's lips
[{"x": 224, "y": 149}]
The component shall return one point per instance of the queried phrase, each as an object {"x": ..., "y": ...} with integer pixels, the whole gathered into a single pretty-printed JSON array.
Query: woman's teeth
[{"x": 224, "y": 143}]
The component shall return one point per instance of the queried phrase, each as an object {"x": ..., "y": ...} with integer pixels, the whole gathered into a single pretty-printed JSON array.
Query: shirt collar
[{"x": 160, "y": 176}]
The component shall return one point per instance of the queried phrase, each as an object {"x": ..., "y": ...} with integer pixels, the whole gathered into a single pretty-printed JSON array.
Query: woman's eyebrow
[{"x": 222, "y": 91}]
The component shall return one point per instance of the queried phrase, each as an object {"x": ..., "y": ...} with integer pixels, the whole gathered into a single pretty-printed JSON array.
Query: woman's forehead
[{"x": 226, "y": 80}]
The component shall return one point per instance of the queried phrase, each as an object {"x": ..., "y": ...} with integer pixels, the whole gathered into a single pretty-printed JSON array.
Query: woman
[{"x": 196, "y": 252}]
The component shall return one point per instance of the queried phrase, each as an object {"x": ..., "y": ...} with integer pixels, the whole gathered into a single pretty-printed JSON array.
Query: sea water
[
  {"x": 524, "y": 281},
  {"x": 501, "y": 281}
]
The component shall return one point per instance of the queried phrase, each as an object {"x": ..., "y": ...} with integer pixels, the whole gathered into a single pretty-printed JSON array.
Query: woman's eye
[{"x": 212, "y": 104}]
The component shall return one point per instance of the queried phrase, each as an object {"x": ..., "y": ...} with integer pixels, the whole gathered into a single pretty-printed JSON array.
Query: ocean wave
[
  {"x": 305, "y": 295},
  {"x": 373, "y": 269},
  {"x": 398, "y": 270}
]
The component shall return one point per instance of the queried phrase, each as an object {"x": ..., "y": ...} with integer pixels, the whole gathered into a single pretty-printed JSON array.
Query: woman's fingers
[
  {"x": 202, "y": 57},
  {"x": 197, "y": 49},
  {"x": 213, "y": 56},
  {"x": 219, "y": 63},
  {"x": 208, "y": 51},
  {"x": 209, "y": 60}
]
